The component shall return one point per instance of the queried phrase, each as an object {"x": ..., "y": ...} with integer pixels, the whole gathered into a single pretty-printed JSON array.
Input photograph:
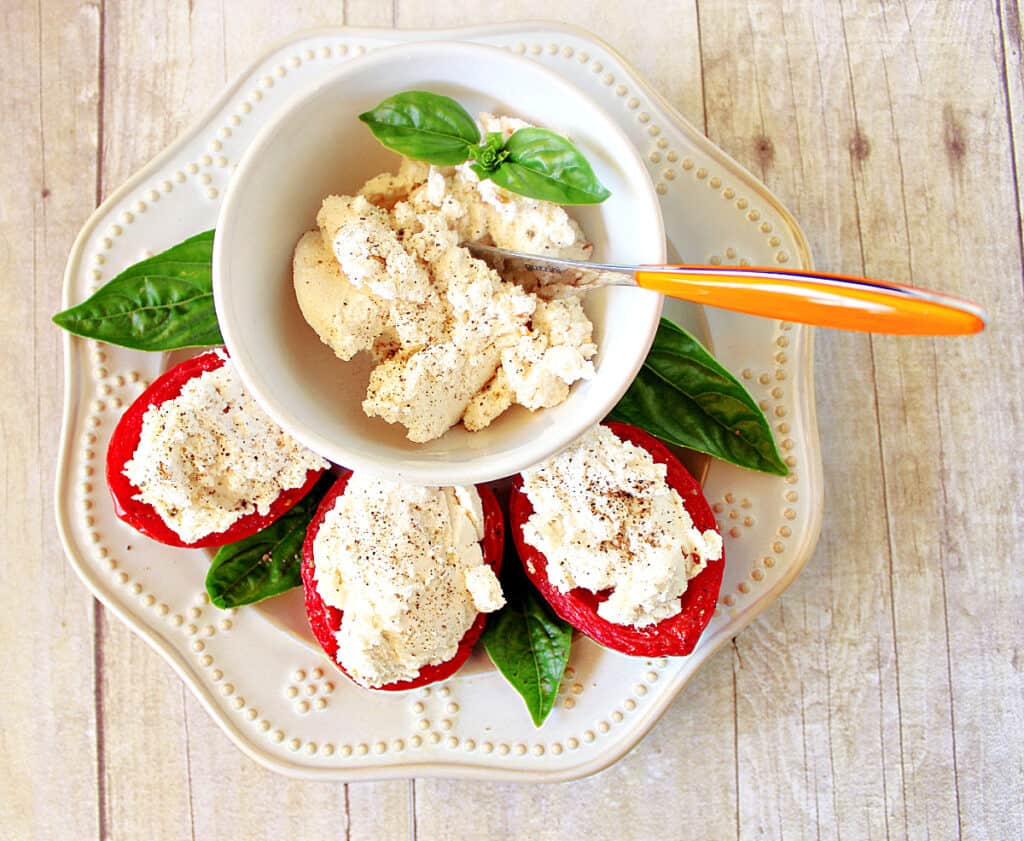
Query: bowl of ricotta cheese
[{"x": 362, "y": 327}]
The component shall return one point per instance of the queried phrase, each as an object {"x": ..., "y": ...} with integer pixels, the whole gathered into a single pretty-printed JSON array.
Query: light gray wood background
[{"x": 882, "y": 696}]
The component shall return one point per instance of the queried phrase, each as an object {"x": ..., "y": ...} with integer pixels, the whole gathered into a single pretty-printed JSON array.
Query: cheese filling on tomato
[
  {"x": 605, "y": 518},
  {"x": 453, "y": 341},
  {"x": 405, "y": 566},
  {"x": 211, "y": 456}
]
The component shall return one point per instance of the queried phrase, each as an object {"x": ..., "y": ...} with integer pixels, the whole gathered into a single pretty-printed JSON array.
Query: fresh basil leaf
[
  {"x": 684, "y": 396},
  {"x": 266, "y": 563},
  {"x": 529, "y": 645},
  {"x": 163, "y": 303},
  {"x": 544, "y": 165},
  {"x": 424, "y": 126}
]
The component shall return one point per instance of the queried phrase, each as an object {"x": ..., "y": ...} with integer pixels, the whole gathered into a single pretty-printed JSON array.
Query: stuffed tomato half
[
  {"x": 398, "y": 578},
  {"x": 619, "y": 539},
  {"x": 195, "y": 462}
]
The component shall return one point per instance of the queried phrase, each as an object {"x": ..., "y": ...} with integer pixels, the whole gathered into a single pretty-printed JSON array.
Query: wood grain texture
[
  {"x": 976, "y": 516},
  {"x": 1012, "y": 50},
  {"x": 47, "y": 187},
  {"x": 799, "y": 765},
  {"x": 946, "y": 502},
  {"x": 882, "y": 697}
]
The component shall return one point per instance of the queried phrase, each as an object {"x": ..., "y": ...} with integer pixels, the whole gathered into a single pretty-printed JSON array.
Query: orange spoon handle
[{"x": 826, "y": 300}]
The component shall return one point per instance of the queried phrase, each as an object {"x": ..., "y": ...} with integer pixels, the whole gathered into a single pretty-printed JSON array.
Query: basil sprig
[
  {"x": 163, "y": 303},
  {"x": 490, "y": 156},
  {"x": 533, "y": 162},
  {"x": 527, "y": 642},
  {"x": 684, "y": 396},
  {"x": 266, "y": 563}
]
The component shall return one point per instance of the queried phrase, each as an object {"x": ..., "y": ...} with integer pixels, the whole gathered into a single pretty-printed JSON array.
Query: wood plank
[
  {"x": 370, "y": 13},
  {"x": 164, "y": 65},
  {"x": 937, "y": 206},
  {"x": 816, "y": 693},
  {"x": 47, "y": 185},
  {"x": 1012, "y": 48},
  {"x": 380, "y": 809}
]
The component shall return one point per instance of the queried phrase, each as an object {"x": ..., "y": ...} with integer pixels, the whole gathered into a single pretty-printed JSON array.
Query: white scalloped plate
[{"x": 274, "y": 694}]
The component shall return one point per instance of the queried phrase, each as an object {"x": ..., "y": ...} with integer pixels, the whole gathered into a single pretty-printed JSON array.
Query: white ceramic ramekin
[{"x": 314, "y": 146}]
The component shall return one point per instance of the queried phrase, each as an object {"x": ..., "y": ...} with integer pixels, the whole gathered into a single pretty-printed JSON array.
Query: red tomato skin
[
  {"x": 141, "y": 516},
  {"x": 325, "y": 620},
  {"x": 672, "y": 637}
]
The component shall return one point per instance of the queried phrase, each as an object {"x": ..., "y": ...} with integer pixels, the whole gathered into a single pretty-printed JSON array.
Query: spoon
[{"x": 826, "y": 300}]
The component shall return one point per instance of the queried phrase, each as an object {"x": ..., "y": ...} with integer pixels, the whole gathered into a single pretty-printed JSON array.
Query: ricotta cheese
[
  {"x": 211, "y": 456},
  {"x": 605, "y": 519},
  {"x": 404, "y": 565},
  {"x": 348, "y": 319},
  {"x": 453, "y": 340}
]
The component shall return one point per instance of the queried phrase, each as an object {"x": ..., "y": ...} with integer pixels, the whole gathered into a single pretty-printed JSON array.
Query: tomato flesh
[
  {"x": 124, "y": 441},
  {"x": 325, "y": 621},
  {"x": 675, "y": 636}
]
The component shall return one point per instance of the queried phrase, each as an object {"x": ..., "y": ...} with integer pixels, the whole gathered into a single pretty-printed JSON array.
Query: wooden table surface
[{"x": 882, "y": 696}]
